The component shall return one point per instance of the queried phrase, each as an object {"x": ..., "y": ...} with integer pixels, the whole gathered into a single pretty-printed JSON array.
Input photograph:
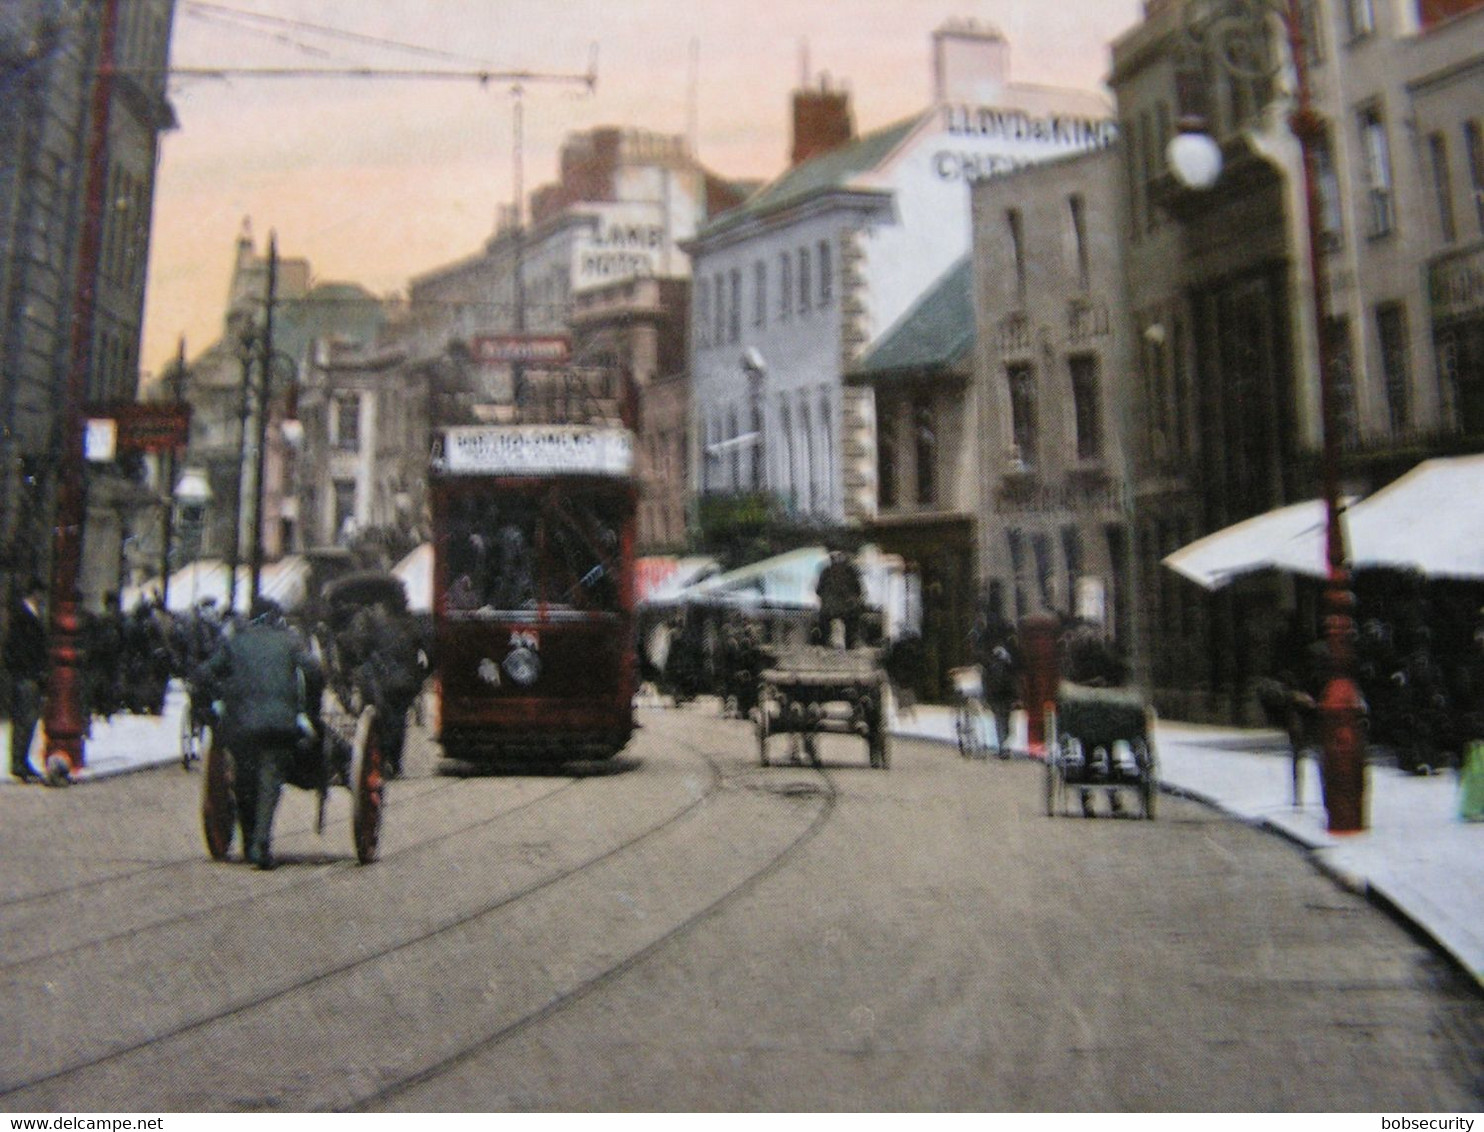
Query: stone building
[
  {"x": 1228, "y": 423},
  {"x": 222, "y": 386},
  {"x": 1052, "y": 369},
  {"x": 799, "y": 283},
  {"x": 49, "y": 53},
  {"x": 929, "y": 482},
  {"x": 361, "y": 475}
]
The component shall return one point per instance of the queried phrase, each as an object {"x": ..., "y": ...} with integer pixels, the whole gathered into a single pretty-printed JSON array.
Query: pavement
[{"x": 1415, "y": 856}]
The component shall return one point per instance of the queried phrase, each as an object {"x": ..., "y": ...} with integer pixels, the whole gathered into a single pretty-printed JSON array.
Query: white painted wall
[{"x": 919, "y": 228}]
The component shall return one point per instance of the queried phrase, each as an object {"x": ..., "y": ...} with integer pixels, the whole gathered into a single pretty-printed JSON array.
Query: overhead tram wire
[
  {"x": 481, "y": 72},
  {"x": 224, "y": 11},
  {"x": 483, "y": 77}
]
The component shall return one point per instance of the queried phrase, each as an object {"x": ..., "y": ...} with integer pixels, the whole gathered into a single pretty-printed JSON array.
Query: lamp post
[
  {"x": 245, "y": 334},
  {"x": 1238, "y": 35},
  {"x": 178, "y": 376},
  {"x": 191, "y": 495},
  {"x": 66, "y": 721}
]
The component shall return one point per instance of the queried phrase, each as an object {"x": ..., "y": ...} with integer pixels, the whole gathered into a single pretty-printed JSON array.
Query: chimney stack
[
  {"x": 822, "y": 121},
  {"x": 971, "y": 62}
]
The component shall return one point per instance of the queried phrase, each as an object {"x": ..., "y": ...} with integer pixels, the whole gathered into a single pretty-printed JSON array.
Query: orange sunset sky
[{"x": 376, "y": 181}]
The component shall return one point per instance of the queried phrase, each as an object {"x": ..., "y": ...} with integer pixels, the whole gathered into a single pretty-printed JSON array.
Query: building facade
[
  {"x": 794, "y": 287},
  {"x": 929, "y": 481},
  {"x": 1228, "y": 423},
  {"x": 223, "y": 385},
  {"x": 1053, "y": 375},
  {"x": 49, "y": 55}
]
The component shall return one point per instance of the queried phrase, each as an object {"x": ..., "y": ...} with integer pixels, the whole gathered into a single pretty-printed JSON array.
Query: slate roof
[
  {"x": 936, "y": 333},
  {"x": 820, "y": 174}
]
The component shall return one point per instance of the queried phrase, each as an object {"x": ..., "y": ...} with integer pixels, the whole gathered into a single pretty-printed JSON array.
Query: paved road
[{"x": 689, "y": 931}]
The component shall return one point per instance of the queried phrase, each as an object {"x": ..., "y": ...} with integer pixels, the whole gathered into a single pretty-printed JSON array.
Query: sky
[{"x": 376, "y": 181}]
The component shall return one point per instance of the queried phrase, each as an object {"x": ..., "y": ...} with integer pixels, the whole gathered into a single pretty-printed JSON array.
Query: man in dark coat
[
  {"x": 261, "y": 674},
  {"x": 389, "y": 667},
  {"x": 27, "y": 661},
  {"x": 841, "y": 598}
]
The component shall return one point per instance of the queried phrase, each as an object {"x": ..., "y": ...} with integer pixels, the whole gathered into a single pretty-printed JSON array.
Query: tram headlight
[{"x": 523, "y": 666}]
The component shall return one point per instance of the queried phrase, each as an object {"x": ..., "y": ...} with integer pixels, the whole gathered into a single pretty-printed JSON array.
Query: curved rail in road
[{"x": 164, "y": 1014}]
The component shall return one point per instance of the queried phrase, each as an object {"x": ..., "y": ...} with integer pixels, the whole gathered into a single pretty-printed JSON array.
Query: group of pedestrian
[{"x": 1418, "y": 663}]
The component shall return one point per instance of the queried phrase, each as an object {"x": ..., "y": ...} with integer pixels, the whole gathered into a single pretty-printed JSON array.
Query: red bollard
[{"x": 1040, "y": 637}]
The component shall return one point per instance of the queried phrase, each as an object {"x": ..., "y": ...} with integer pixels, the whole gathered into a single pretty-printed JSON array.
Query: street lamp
[
  {"x": 192, "y": 494},
  {"x": 1238, "y": 35}
]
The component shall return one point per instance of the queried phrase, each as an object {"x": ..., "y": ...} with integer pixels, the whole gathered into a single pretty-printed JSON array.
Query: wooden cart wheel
[
  {"x": 218, "y": 802},
  {"x": 1054, "y": 782},
  {"x": 367, "y": 783},
  {"x": 811, "y": 747},
  {"x": 762, "y": 730},
  {"x": 1148, "y": 777}
]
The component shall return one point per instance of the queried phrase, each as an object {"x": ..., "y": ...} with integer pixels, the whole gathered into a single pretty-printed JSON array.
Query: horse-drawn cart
[
  {"x": 1099, "y": 739},
  {"x": 810, "y": 690}
]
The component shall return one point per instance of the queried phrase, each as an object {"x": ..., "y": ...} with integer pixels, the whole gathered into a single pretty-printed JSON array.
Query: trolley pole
[{"x": 265, "y": 395}]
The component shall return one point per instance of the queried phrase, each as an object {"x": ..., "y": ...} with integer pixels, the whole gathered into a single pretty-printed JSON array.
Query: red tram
[{"x": 533, "y": 591}]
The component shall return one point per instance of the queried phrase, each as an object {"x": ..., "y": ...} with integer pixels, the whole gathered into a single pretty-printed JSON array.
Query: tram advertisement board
[{"x": 524, "y": 450}]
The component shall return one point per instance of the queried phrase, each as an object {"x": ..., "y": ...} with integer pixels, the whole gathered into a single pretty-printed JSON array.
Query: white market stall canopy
[
  {"x": 285, "y": 581},
  {"x": 788, "y": 581},
  {"x": 416, "y": 572},
  {"x": 1430, "y": 520},
  {"x": 1263, "y": 542}
]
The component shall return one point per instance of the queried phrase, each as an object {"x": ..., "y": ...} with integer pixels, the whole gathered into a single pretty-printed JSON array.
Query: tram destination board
[{"x": 523, "y": 450}]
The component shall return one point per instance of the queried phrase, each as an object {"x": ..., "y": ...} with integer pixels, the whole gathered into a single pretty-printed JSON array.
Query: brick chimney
[{"x": 822, "y": 121}]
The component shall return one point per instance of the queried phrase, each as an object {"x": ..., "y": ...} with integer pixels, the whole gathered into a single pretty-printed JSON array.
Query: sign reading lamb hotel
[
  {"x": 1016, "y": 139},
  {"x": 626, "y": 242}
]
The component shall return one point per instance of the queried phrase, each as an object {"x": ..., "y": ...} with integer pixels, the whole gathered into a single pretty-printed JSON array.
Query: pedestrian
[
  {"x": 1001, "y": 669},
  {"x": 261, "y": 674},
  {"x": 389, "y": 667},
  {"x": 27, "y": 661},
  {"x": 841, "y": 598}
]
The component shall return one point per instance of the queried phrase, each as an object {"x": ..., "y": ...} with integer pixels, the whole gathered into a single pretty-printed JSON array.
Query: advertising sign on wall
[{"x": 629, "y": 241}]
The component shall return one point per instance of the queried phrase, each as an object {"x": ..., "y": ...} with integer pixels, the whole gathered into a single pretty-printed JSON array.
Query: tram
[{"x": 533, "y": 590}]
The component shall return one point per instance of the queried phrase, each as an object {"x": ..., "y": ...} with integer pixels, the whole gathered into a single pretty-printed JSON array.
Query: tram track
[
  {"x": 829, "y": 797},
  {"x": 192, "y": 861},
  {"x": 13, "y": 962},
  {"x": 366, "y": 958}
]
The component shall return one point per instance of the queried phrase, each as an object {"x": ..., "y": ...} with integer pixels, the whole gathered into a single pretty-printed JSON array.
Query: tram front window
[{"x": 517, "y": 555}]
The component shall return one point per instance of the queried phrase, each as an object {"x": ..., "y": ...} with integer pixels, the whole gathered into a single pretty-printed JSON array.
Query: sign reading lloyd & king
[{"x": 1011, "y": 139}]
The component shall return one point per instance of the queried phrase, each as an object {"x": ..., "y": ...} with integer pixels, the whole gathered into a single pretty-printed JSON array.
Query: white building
[{"x": 794, "y": 285}]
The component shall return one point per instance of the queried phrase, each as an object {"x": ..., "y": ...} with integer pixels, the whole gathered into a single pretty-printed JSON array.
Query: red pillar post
[{"x": 1039, "y": 638}]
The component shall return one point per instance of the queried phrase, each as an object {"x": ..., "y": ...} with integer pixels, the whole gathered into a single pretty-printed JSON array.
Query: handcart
[
  {"x": 811, "y": 690},
  {"x": 1099, "y": 739},
  {"x": 343, "y": 751}
]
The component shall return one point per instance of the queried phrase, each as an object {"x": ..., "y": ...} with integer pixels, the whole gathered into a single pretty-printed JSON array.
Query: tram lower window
[{"x": 516, "y": 554}]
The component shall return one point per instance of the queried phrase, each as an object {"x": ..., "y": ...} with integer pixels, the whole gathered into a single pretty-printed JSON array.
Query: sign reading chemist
[
  {"x": 624, "y": 244},
  {"x": 1013, "y": 139}
]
